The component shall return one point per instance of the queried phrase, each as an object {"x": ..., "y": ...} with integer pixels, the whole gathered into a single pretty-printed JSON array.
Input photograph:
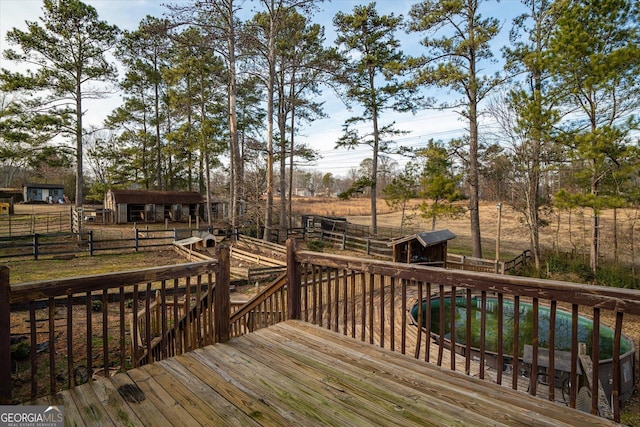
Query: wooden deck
[{"x": 295, "y": 373}]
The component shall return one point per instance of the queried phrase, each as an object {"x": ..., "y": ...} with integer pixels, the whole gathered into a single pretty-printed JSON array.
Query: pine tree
[{"x": 68, "y": 50}]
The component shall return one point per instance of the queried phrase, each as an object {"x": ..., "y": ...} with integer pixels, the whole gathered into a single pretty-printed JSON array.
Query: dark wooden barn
[{"x": 124, "y": 206}]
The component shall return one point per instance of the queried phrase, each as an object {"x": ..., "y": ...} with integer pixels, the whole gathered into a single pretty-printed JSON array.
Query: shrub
[{"x": 315, "y": 245}]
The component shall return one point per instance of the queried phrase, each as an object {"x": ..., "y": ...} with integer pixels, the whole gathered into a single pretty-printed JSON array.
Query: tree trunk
[
  {"x": 237, "y": 174},
  {"x": 268, "y": 219}
]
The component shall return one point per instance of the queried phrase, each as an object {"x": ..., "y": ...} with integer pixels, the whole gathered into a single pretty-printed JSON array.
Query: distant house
[
  {"x": 428, "y": 248},
  {"x": 43, "y": 193},
  {"x": 124, "y": 206}
]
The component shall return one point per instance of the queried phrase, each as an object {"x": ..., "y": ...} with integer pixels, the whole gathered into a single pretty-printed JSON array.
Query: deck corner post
[
  {"x": 5, "y": 337},
  {"x": 222, "y": 295},
  {"x": 294, "y": 308}
]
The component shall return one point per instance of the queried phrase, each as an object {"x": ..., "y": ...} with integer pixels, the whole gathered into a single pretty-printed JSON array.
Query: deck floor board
[{"x": 296, "y": 373}]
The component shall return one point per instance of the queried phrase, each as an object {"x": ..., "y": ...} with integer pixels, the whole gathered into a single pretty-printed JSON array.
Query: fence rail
[
  {"x": 57, "y": 244},
  {"x": 46, "y": 222}
]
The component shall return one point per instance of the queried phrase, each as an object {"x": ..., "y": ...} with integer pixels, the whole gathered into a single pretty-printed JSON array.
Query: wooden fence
[
  {"x": 59, "y": 244},
  {"x": 47, "y": 222}
]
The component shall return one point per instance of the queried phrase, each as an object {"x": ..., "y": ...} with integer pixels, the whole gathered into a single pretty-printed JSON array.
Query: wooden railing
[
  {"x": 66, "y": 330},
  {"x": 366, "y": 299},
  {"x": 369, "y": 300}
]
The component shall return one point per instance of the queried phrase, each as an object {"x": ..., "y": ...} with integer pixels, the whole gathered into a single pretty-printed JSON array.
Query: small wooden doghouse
[
  {"x": 151, "y": 206},
  {"x": 426, "y": 248}
]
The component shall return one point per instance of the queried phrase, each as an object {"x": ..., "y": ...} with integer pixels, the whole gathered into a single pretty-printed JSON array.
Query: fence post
[
  {"x": 91, "y": 242},
  {"x": 135, "y": 240},
  {"x": 344, "y": 241},
  {"x": 222, "y": 295},
  {"x": 294, "y": 309},
  {"x": 5, "y": 337},
  {"x": 368, "y": 246}
]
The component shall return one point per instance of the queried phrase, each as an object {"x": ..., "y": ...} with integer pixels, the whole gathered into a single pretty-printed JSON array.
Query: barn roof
[
  {"x": 426, "y": 238},
  {"x": 155, "y": 197},
  {"x": 37, "y": 185}
]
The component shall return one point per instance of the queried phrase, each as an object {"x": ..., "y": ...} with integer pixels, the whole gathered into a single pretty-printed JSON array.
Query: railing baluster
[
  {"x": 345, "y": 302},
  {"x": 336, "y": 308},
  {"x": 552, "y": 350},
  {"x": 371, "y": 306},
  {"x": 329, "y": 305},
  {"x": 403, "y": 338},
  {"x": 533, "y": 380},
  {"x": 89, "y": 336},
  {"x": 467, "y": 344},
  {"x": 452, "y": 327},
  {"x": 32, "y": 354},
  {"x": 442, "y": 323},
  {"x": 52, "y": 345},
  {"x": 515, "y": 371},
  {"x": 500, "y": 338},
  {"x": 392, "y": 313},
  {"x": 615, "y": 394},
  {"x": 353, "y": 303},
  {"x": 123, "y": 352},
  {"x": 70, "y": 362},
  {"x": 363, "y": 317},
  {"x": 420, "y": 321},
  {"x": 382, "y": 313},
  {"x": 595, "y": 358},
  {"x": 134, "y": 326},
  {"x": 105, "y": 332},
  {"x": 573, "y": 393},
  {"x": 428, "y": 317},
  {"x": 483, "y": 333}
]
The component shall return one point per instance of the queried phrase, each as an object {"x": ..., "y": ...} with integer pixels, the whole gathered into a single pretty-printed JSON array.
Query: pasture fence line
[{"x": 46, "y": 222}]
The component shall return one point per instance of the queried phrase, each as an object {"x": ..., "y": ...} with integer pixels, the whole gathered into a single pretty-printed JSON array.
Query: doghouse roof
[
  {"x": 426, "y": 238},
  {"x": 155, "y": 197}
]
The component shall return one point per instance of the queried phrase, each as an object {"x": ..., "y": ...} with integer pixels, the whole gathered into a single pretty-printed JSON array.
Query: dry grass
[{"x": 568, "y": 231}]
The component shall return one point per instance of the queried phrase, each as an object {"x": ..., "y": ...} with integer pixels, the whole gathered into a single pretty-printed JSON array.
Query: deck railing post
[
  {"x": 5, "y": 337},
  {"x": 222, "y": 295},
  {"x": 294, "y": 309}
]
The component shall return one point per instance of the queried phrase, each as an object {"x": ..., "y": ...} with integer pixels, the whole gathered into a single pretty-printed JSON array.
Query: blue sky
[{"x": 320, "y": 135}]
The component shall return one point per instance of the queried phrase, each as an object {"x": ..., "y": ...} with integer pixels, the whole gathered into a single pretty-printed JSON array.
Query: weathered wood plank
[
  {"x": 245, "y": 402},
  {"x": 206, "y": 398},
  {"x": 89, "y": 406},
  {"x": 164, "y": 401},
  {"x": 439, "y": 401},
  {"x": 114, "y": 404},
  {"x": 363, "y": 393},
  {"x": 71, "y": 412},
  {"x": 144, "y": 408},
  {"x": 199, "y": 410},
  {"x": 536, "y": 408},
  {"x": 307, "y": 406}
]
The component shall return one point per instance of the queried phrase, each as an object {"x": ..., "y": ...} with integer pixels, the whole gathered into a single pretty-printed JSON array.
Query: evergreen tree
[
  {"x": 457, "y": 44},
  {"x": 68, "y": 50},
  {"x": 371, "y": 74},
  {"x": 595, "y": 63}
]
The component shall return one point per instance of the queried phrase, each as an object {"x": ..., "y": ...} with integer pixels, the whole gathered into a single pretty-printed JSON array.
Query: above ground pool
[{"x": 525, "y": 333}]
